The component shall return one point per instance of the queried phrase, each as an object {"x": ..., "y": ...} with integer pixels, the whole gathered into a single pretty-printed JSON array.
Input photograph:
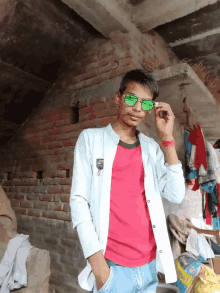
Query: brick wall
[{"x": 36, "y": 165}]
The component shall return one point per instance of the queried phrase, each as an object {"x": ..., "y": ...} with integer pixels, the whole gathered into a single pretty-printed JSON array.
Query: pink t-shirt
[{"x": 131, "y": 241}]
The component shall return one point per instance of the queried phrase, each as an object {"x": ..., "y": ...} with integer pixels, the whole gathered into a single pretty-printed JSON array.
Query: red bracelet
[{"x": 166, "y": 143}]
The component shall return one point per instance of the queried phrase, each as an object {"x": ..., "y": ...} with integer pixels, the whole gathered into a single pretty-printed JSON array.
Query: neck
[{"x": 124, "y": 130}]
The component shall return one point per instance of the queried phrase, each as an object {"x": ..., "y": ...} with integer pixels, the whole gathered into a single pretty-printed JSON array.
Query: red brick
[
  {"x": 86, "y": 110},
  {"x": 19, "y": 210},
  {"x": 42, "y": 205},
  {"x": 54, "y": 189},
  {"x": 126, "y": 61},
  {"x": 27, "y": 204},
  {"x": 101, "y": 106},
  {"x": 30, "y": 182},
  {"x": 54, "y": 174},
  {"x": 84, "y": 117},
  {"x": 95, "y": 101},
  {"x": 32, "y": 196},
  {"x": 54, "y": 131},
  {"x": 55, "y": 144},
  {"x": 57, "y": 215},
  {"x": 65, "y": 181},
  {"x": 105, "y": 54},
  {"x": 66, "y": 189},
  {"x": 46, "y": 197},
  {"x": 83, "y": 104},
  {"x": 105, "y": 121},
  {"x": 18, "y": 196},
  {"x": 34, "y": 212},
  {"x": 65, "y": 198},
  {"x": 70, "y": 128},
  {"x": 15, "y": 202},
  {"x": 64, "y": 166},
  {"x": 60, "y": 151},
  {"x": 113, "y": 111},
  {"x": 66, "y": 208},
  {"x": 50, "y": 181},
  {"x": 68, "y": 143},
  {"x": 70, "y": 135},
  {"x": 101, "y": 113},
  {"x": 87, "y": 124},
  {"x": 48, "y": 125},
  {"x": 63, "y": 122},
  {"x": 108, "y": 67},
  {"x": 38, "y": 167},
  {"x": 47, "y": 139},
  {"x": 55, "y": 206},
  {"x": 85, "y": 76},
  {"x": 120, "y": 71},
  {"x": 17, "y": 182}
]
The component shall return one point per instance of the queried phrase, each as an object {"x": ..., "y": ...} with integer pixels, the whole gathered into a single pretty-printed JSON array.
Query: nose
[{"x": 137, "y": 106}]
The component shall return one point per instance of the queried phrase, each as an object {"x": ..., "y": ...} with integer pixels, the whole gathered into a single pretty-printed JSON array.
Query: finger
[{"x": 166, "y": 109}]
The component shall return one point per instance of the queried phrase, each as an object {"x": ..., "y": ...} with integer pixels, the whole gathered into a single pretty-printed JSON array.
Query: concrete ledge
[
  {"x": 199, "y": 98},
  {"x": 103, "y": 89}
]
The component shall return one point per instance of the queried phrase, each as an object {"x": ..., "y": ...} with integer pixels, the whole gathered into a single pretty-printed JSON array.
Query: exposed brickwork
[{"x": 36, "y": 166}]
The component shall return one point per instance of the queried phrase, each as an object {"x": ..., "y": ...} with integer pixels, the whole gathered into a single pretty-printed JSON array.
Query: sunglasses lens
[
  {"x": 130, "y": 100},
  {"x": 147, "y": 105}
]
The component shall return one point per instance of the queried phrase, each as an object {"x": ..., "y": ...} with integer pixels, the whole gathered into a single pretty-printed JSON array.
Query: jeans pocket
[{"x": 107, "y": 283}]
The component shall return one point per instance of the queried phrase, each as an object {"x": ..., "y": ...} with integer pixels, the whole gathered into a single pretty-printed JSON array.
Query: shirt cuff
[
  {"x": 88, "y": 238},
  {"x": 179, "y": 164}
]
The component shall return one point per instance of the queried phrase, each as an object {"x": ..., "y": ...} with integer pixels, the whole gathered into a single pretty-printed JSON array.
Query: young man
[{"x": 119, "y": 176}]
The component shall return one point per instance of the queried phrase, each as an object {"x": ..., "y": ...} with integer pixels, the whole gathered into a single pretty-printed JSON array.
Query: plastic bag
[
  {"x": 207, "y": 281},
  {"x": 198, "y": 245},
  {"x": 187, "y": 267}
]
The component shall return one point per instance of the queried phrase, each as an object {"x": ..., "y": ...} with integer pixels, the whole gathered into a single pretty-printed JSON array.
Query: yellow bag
[{"x": 209, "y": 282}]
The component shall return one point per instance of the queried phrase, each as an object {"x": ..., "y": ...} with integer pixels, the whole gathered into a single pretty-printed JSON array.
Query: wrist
[{"x": 167, "y": 138}]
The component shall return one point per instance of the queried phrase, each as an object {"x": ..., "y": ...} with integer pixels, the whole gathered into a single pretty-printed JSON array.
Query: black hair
[
  {"x": 142, "y": 77},
  {"x": 217, "y": 144}
]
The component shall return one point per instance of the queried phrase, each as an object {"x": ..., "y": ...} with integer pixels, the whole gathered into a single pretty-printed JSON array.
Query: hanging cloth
[
  {"x": 190, "y": 172},
  {"x": 196, "y": 138}
]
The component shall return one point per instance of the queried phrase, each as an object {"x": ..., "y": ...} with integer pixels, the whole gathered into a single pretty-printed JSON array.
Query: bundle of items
[
  {"x": 203, "y": 164},
  {"x": 194, "y": 276},
  {"x": 187, "y": 266}
]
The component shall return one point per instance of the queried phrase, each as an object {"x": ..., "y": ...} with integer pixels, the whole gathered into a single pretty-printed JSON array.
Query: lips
[{"x": 134, "y": 116}]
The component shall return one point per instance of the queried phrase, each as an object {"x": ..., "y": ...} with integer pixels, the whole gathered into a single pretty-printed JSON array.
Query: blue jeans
[{"x": 130, "y": 280}]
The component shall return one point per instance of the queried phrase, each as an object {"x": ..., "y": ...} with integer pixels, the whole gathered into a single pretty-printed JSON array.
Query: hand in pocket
[{"x": 102, "y": 278}]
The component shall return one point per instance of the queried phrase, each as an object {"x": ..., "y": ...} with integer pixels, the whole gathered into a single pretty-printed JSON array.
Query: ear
[{"x": 117, "y": 98}]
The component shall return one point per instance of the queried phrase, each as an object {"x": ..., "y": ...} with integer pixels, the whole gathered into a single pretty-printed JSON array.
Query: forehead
[{"x": 140, "y": 90}]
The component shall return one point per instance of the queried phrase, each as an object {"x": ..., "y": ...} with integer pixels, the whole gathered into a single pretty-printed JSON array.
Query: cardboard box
[{"x": 216, "y": 264}]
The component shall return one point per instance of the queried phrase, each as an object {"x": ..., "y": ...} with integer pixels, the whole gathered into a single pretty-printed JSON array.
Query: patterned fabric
[
  {"x": 196, "y": 138},
  {"x": 190, "y": 171},
  {"x": 211, "y": 171}
]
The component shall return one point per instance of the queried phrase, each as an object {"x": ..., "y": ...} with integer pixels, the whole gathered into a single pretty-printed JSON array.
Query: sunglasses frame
[{"x": 137, "y": 101}]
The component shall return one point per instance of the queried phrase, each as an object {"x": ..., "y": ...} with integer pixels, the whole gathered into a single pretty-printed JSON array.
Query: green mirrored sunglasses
[{"x": 131, "y": 100}]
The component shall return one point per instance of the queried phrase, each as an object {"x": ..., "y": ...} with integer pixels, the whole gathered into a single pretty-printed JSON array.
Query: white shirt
[{"x": 90, "y": 195}]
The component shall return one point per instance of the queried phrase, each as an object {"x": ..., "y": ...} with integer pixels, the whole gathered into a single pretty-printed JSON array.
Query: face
[{"x": 133, "y": 116}]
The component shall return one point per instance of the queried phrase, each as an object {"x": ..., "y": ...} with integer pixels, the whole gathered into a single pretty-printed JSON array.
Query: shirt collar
[{"x": 115, "y": 137}]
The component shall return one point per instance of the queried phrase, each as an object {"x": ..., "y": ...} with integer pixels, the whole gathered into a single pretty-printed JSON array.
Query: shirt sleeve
[
  {"x": 80, "y": 189},
  {"x": 170, "y": 179}
]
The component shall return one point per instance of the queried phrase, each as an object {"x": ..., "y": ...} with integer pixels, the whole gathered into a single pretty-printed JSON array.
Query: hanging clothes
[
  {"x": 208, "y": 175},
  {"x": 190, "y": 171},
  {"x": 196, "y": 138}
]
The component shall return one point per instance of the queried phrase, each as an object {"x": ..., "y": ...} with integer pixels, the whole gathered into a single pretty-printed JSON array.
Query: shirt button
[
  {"x": 148, "y": 201},
  {"x": 160, "y": 251},
  {"x": 154, "y": 226}
]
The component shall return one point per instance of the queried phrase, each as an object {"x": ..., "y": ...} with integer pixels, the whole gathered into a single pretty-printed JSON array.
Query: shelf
[{"x": 199, "y": 98}]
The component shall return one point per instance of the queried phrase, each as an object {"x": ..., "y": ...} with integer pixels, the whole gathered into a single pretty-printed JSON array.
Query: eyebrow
[{"x": 138, "y": 97}]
